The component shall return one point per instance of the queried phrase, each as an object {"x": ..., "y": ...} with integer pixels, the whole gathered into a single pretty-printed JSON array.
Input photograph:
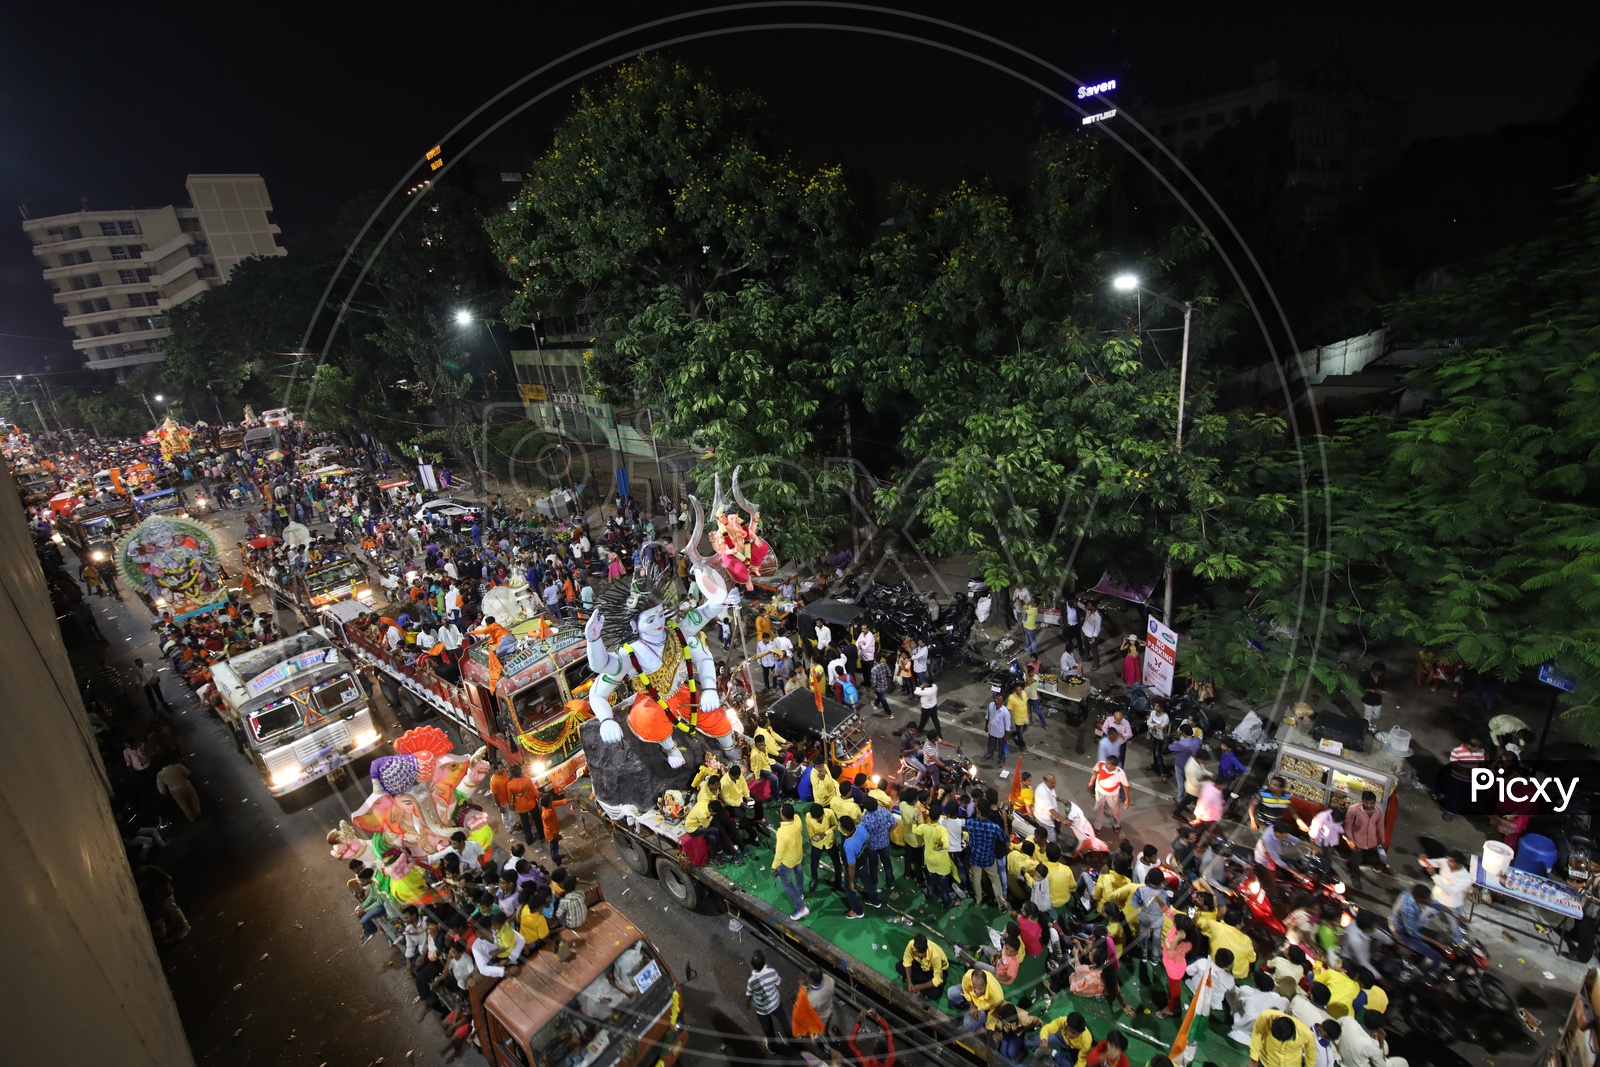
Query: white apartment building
[{"x": 115, "y": 274}]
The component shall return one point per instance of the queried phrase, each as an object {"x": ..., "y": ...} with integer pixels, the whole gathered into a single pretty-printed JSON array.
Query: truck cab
[
  {"x": 299, "y": 708},
  {"x": 603, "y": 998},
  {"x": 161, "y": 502}
]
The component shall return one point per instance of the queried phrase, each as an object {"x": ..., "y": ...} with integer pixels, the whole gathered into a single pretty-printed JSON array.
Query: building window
[
  {"x": 143, "y": 274},
  {"x": 128, "y": 228},
  {"x": 112, "y": 328},
  {"x": 189, "y": 225},
  {"x": 68, "y": 259},
  {"x": 206, "y": 272},
  {"x": 199, "y": 248},
  {"x": 85, "y": 257},
  {"x": 152, "y": 299},
  {"x": 102, "y": 304},
  {"x": 119, "y": 252},
  {"x": 136, "y": 300},
  {"x": 1191, "y": 124},
  {"x": 78, "y": 284},
  {"x": 92, "y": 281},
  {"x": 1241, "y": 113},
  {"x": 74, "y": 233},
  {"x": 1216, "y": 118},
  {"x": 108, "y": 229},
  {"x": 127, "y": 277},
  {"x": 86, "y": 307}
]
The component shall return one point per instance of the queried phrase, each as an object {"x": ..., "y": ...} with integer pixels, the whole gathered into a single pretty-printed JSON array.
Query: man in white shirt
[
  {"x": 452, "y": 603},
  {"x": 1249, "y": 1001},
  {"x": 392, "y": 637},
  {"x": 919, "y": 661},
  {"x": 1366, "y": 1044},
  {"x": 1091, "y": 634},
  {"x": 1220, "y": 968},
  {"x": 1069, "y": 665},
  {"x": 1451, "y": 880},
  {"x": 484, "y": 948},
  {"x": 928, "y": 695},
  {"x": 866, "y": 647},
  {"x": 824, "y": 636},
  {"x": 1311, "y": 1008},
  {"x": 1109, "y": 783},
  {"x": 768, "y": 661},
  {"x": 1044, "y": 806}
]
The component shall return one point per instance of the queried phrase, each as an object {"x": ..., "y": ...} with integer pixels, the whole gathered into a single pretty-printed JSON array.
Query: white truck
[{"x": 299, "y": 707}]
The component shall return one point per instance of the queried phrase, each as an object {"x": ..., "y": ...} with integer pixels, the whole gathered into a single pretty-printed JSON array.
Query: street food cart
[{"x": 1321, "y": 774}]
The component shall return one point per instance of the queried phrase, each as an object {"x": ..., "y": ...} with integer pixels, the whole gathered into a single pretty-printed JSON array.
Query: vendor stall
[
  {"x": 1493, "y": 883},
  {"x": 1322, "y": 774}
]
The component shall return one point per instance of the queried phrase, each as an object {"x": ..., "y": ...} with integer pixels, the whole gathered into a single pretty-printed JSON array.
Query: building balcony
[
  {"x": 187, "y": 265},
  {"x": 116, "y": 362},
  {"x": 132, "y": 337},
  {"x": 195, "y": 287},
  {"x": 161, "y": 251}
]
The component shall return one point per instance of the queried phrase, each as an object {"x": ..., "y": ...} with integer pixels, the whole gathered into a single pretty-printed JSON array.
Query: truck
[
  {"x": 338, "y": 577},
  {"x": 529, "y": 712},
  {"x": 230, "y": 438},
  {"x": 298, "y": 709},
  {"x": 161, "y": 502},
  {"x": 92, "y": 528},
  {"x": 603, "y": 997}
]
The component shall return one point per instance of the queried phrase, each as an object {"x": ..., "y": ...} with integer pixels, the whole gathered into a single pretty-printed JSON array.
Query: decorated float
[{"x": 174, "y": 564}]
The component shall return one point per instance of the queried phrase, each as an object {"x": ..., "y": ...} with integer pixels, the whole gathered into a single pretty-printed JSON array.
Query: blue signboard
[{"x": 1552, "y": 677}]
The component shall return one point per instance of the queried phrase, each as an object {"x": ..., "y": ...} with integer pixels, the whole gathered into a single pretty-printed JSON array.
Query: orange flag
[
  {"x": 494, "y": 669},
  {"x": 805, "y": 1020},
  {"x": 1016, "y": 783}
]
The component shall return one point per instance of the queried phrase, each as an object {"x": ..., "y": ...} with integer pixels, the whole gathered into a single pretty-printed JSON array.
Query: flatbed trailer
[{"x": 862, "y": 954}]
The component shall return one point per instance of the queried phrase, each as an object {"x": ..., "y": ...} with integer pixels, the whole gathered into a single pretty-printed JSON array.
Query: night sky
[{"x": 117, "y": 104}]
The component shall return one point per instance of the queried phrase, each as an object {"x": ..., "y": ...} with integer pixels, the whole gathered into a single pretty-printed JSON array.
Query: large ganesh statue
[
  {"x": 174, "y": 560},
  {"x": 417, "y": 799},
  {"x": 741, "y": 551},
  {"x": 668, "y": 665}
]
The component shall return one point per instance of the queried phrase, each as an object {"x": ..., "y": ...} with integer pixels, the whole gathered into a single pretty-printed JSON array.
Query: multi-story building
[
  {"x": 115, "y": 274},
  {"x": 1344, "y": 135}
]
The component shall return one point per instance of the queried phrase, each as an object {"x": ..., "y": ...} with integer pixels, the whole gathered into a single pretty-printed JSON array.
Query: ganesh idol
[{"x": 669, "y": 666}]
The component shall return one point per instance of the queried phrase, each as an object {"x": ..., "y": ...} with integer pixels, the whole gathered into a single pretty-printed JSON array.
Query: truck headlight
[
  {"x": 97, "y": 555},
  {"x": 365, "y": 738},
  {"x": 364, "y": 594},
  {"x": 286, "y": 777}
]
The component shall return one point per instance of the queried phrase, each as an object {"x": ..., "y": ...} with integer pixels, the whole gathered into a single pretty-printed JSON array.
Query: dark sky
[{"x": 116, "y": 104}]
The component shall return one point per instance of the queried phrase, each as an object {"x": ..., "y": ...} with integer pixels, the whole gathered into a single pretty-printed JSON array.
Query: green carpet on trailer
[{"x": 880, "y": 939}]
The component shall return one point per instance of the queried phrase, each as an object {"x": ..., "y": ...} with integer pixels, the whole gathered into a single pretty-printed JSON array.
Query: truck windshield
[
  {"x": 608, "y": 1015},
  {"x": 275, "y": 718},
  {"x": 337, "y": 574},
  {"x": 332, "y": 695}
]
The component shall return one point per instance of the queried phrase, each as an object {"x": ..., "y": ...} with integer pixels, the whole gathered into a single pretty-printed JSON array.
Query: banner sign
[{"x": 1160, "y": 657}]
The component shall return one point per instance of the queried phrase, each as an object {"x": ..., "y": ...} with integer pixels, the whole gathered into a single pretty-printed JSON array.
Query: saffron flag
[
  {"x": 494, "y": 670},
  {"x": 1016, "y": 783}
]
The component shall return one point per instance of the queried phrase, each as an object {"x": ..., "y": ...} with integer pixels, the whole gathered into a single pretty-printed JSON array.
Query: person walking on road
[
  {"x": 1092, "y": 624},
  {"x": 928, "y": 695},
  {"x": 173, "y": 781},
  {"x": 147, "y": 677},
  {"x": 763, "y": 994}
]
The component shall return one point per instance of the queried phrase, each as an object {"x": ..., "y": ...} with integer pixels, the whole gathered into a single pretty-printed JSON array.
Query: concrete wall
[{"x": 84, "y": 984}]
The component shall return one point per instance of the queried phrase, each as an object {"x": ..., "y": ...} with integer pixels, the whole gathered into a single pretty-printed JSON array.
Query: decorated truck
[
  {"x": 338, "y": 577},
  {"x": 300, "y": 707},
  {"x": 526, "y": 704}
]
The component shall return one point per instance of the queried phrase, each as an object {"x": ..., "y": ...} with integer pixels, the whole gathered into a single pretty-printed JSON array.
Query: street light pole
[{"x": 1126, "y": 283}]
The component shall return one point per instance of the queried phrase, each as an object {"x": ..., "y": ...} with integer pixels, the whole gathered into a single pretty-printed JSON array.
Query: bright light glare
[
  {"x": 463, "y": 317},
  {"x": 159, "y": 398},
  {"x": 1125, "y": 282}
]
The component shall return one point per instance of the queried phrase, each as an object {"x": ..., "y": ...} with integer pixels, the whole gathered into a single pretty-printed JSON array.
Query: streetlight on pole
[{"x": 1129, "y": 283}]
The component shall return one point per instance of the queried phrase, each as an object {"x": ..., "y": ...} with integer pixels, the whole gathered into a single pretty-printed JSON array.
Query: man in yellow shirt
[
  {"x": 1221, "y": 935},
  {"x": 983, "y": 994},
  {"x": 1061, "y": 882},
  {"x": 1020, "y": 863},
  {"x": 821, "y": 825},
  {"x": 922, "y": 967},
  {"x": 1280, "y": 1040},
  {"x": 730, "y": 790},
  {"x": 935, "y": 842},
  {"x": 1067, "y": 1039},
  {"x": 787, "y": 855},
  {"x": 1342, "y": 991},
  {"x": 825, "y": 783},
  {"x": 1017, "y": 706},
  {"x": 701, "y": 821}
]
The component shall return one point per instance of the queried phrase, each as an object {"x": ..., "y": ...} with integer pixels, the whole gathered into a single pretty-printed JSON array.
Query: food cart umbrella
[
  {"x": 263, "y": 541},
  {"x": 275, "y": 456}
]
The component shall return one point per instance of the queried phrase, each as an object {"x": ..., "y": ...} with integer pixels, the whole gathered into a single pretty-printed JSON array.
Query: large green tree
[{"x": 713, "y": 266}]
